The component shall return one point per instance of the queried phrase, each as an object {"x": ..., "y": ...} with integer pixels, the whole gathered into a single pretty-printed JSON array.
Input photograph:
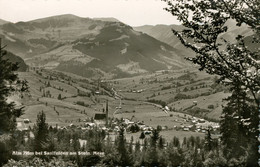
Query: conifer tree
[
  {"x": 184, "y": 142},
  {"x": 239, "y": 126},
  {"x": 124, "y": 156},
  {"x": 154, "y": 138},
  {"x": 130, "y": 146},
  {"x": 9, "y": 83},
  {"x": 145, "y": 145},
  {"x": 161, "y": 143},
  {"x": 41, "y": 133},
  {"x": 59, "y": 97},
  {"x": 137, "y": 146},
  {"x": 152, "y": 155},
  {"x": 208, "y": 140},
  {"x": 142, "y": 136}
]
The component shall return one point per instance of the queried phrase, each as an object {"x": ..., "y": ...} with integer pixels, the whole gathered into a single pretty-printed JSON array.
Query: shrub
[
  {"x": 81, "y": 103},
  {"x": 211, "y": 106},
  {"x": 180, "y": 96}
]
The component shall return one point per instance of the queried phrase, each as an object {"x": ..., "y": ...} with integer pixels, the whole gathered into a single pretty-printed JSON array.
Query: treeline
[
  {"x": 162, "y": 103},
  {"x": 148, "y": 150}
]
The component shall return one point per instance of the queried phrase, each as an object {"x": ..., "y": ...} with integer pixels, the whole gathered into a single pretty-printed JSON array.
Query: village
[{"x": 132, "y": 127}]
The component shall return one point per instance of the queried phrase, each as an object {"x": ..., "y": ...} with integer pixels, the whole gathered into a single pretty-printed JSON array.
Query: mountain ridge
[
  {"x": 3, "y": 22},
  {"x": 164, "y": 34},
  {"x": 67, "y": 42}
]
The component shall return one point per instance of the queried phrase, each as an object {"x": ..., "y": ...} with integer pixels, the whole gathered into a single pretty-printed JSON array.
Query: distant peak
[
  {"x": 63, "y": 16},
  {"x": 3, "y": 22},
  {"x": 108, "y": 19},
  {"x": 67, "y": 16}
]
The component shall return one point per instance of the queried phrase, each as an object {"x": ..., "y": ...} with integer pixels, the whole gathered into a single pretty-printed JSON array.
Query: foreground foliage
[
  {"x": 152, "y": 150},
  {"x": 235, "y": 61},
  {"x": 9, "y": 83}
]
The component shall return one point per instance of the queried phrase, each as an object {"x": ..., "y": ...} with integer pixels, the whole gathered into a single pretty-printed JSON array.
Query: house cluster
[
  {"x": 101, "y": 121},
  {"x": 199, "y": 125},
  {"x": 137, "y": 91}
]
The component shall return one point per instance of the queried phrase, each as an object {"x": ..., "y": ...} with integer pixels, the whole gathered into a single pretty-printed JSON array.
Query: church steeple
[{"x": 107, "y": 113}]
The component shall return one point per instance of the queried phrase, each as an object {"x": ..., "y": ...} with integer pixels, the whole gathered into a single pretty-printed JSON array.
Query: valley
[
  {"x": 152, "y": 100},
  {"x": 129, "y": 83},
  {"x": 79, "y": 68}
]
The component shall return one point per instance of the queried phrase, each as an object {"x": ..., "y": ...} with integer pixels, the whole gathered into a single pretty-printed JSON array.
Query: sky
[{"x": 131, "y": 12}]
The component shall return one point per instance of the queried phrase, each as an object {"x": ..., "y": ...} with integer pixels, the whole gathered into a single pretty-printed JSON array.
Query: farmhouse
[
  {"x": 186, "y": 129},
  {"x": 202, "y": 121},
  {"x": 127, "y": 122},
  {"x": 26, "y": 121},
  {"x": 206, "y": 125},
  {"x": 89, "y": 124}
]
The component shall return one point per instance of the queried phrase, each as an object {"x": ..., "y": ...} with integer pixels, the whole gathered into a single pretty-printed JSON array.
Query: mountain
[
  {"x": 3, "y": 22},
  {"x": 89, "y": 47},
  {"x": 16, "y": 59},
  {"x": 164, "y": 33},
  {"x": 109, "y": 19},
  {"x": 234, "y": 30},
  {"x": 28, "y": 39}
]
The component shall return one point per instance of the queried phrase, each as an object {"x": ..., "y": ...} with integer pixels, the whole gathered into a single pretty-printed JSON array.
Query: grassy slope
[
  {"x": 166, "y": 89},
  {"x": 64, "y": 112}
]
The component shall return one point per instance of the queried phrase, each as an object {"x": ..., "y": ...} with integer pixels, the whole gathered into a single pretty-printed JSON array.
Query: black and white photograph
[{"x": 129, "y": 83}]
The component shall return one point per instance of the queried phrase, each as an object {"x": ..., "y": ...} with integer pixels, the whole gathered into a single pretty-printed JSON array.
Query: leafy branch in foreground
[
  {"x": 205, "y": 22},
  {"x": 236, "y": 61}
]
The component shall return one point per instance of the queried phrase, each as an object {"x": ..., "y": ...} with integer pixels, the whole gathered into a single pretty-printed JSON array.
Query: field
[
  {"x": 179, "y": 90},
  {"x": 69, "y": 99}
]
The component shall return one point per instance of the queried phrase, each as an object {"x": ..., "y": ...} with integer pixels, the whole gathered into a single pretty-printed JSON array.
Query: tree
[
  {"x": 48, "y": 84},
  {"x": 110, "y": 153},
  {"x": 59, "y": 97},
  {"x": 155, "y": 137},
  {"x": 184, "y": 142},
  {"x": 236, "y": 61},
  {"x": 161, "y": 143},
  {"x": 152, "y": 155},
  {"x": 41, "y": 133},
  {"x": 137, "y": 146},
  {"x": 208, "y": 141},
  {"x": 159, "y": 128},
  {"x": 124, "y": 156},
  {"x": 5, "y": 151},
  {"x": 175, "y": 156},
  {"x": 238, "y": 126},
  {"x": 95, "y": 140},
  {"x": 176, "y": 141},
  {"x": 9, "y": 83},
  {"x": 142, "y": 136},
  {"x": 145, "y": 144},
  {"x": 205, "y": 22},
  {"x": 76, "y": 147}
]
